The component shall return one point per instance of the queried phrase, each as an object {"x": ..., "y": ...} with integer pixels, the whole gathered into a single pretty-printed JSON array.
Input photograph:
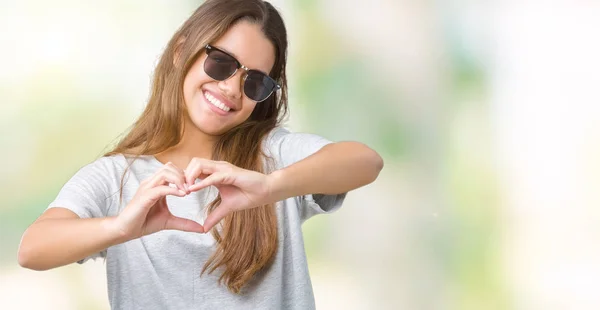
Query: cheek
[
  {"x": 186, "y": 87},
  {"x": 194, "y": 78},
  {"x": 248, "y": 107}
]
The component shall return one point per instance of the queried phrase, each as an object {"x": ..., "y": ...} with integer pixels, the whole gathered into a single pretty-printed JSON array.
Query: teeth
[{"x": 216, "y": 102}]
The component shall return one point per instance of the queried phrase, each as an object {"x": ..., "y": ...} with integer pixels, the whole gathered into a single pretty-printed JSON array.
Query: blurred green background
[{"x": 486, "y": 113}]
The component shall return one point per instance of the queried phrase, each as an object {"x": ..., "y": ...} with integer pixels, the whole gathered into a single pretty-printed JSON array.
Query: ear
[{"x": 177, "y": 51}]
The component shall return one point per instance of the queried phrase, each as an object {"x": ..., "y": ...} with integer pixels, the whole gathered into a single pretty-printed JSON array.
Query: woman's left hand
[{"x": 239, "y": 188}]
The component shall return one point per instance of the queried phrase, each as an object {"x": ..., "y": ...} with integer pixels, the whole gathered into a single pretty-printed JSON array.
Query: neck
[{"x": 194, "y": 143}]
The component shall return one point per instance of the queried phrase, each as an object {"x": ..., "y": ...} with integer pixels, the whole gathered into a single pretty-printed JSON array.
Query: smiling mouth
[{"x": 215, "y": 102}]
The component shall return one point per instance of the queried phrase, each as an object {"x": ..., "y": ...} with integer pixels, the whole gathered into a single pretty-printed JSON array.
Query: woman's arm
[
  {"x": 59, "y": 237},
  {"x": 336, "y": 168}
]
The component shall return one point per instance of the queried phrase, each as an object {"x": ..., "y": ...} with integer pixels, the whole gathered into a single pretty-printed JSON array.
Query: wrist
[
  {"x": 276, "y": 185},
  {"x": 115, "y": 234}
]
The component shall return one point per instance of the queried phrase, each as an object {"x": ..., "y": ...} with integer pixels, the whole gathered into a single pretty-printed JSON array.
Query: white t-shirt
[{"x": 162, "y": 270}]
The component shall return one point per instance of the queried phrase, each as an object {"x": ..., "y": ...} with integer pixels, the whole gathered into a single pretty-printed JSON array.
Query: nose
[{"x": 232, "y": 87}]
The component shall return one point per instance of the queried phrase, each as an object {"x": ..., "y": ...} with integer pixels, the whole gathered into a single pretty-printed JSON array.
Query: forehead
[{"x": 247, "y": 43}]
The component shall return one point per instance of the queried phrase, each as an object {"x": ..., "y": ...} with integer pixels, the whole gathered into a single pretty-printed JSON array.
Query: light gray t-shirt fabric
[{"x": 162, "y": 270}]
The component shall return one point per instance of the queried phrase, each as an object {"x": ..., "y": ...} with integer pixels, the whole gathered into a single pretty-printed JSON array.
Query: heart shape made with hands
[{"x": 239, "y": 188}]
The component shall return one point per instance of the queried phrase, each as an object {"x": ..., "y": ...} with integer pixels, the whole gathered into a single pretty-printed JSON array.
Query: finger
[
  {"x": 165, "y": 176},
  {"x": 198, "y": 168},
  {"x": 182, "y": 224},
  {"x": 157, "y": 179},
  {"x": 215, "y": 217},
  {"x": 164, "y": 190},
  {"x": 171, "y": 166},
  {"x": 179, "y": 173},
  {"x": 217, "y": 178}
]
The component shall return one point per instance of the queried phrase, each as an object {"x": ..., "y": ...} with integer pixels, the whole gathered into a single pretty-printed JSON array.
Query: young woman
[{"x": 200, "y": 206}]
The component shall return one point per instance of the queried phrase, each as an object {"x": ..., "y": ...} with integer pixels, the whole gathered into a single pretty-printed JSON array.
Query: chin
[
  {"x": 212, "y": 131},
  {"x": 209, "y": 128}
]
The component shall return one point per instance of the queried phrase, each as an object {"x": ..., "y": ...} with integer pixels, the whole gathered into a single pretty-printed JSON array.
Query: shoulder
[
  {"x": 276, "y": 135},
  {"x": 105, "y": 169},
  {"x": 281, "y": 137},
  {"x": 288, "y": 147},
  {"x": 273, "y": 140},
  {"x": 116, "y": 162}
]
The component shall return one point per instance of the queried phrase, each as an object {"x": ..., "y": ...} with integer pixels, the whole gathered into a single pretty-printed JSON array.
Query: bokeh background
[{"x": 487, "y": 114}]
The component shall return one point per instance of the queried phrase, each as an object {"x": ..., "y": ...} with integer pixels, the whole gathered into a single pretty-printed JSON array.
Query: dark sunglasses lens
[
  {"x": 219, "y": 66},
  {"x": 258, "y": 86}
]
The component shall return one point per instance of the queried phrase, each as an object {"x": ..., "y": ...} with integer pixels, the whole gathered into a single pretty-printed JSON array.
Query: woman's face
[{"x": 246, "y": 42}]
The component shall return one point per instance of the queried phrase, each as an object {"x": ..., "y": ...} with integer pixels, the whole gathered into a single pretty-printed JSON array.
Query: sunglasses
[{"x": 220, "y": 66}]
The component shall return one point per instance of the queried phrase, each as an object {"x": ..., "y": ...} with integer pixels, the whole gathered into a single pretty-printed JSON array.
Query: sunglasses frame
[{"x": 209, "y": 47}]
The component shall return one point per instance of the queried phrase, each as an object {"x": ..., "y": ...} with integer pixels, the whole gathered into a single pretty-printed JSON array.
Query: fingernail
[{"x": 182, "y": 192}]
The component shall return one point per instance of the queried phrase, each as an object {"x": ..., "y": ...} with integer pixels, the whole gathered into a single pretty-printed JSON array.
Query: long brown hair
[{"x": 248, "y": 242}]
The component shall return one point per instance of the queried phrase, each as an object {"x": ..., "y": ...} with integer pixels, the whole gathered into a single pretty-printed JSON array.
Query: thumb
[
  {"x": 182, "y": 224},
  {"x": 215, "y": 217}
]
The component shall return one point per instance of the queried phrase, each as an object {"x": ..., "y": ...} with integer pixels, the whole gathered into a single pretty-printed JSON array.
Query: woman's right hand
[{"x": 147, "y": 212}]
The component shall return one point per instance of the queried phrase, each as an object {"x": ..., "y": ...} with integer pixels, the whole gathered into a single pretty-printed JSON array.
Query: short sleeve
[
  {"x": 287, "y": 148},
  {"x": 87, "y": 193}
]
